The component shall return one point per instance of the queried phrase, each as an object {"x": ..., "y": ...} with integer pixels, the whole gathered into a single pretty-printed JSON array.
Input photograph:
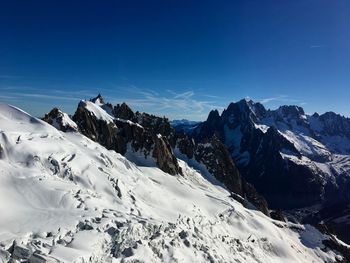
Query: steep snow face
[
  {"x": 66, "y": 121},
  {"x": 60, "y": 120},
  {"x": 103, "y": 112},
  {"x": 95, "y": 108},
  {"x": 66, "y": 198}
]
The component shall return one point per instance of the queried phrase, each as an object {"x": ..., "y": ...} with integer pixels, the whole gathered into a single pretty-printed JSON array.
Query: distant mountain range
[
  {"x": 293, "y": 159},
  {"x": 183, "y": 122}
]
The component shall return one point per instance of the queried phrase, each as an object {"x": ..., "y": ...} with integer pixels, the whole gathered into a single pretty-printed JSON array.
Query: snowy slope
[{"x": 68, "y": 199}]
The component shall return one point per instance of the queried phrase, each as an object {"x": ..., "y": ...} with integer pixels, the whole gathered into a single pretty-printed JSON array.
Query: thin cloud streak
[
  {"x": 176, "y": 104},
  {"x": 281, "y": 99},
  {"x": 44, "y": 96},
  {"x": 317, "y": 46}
]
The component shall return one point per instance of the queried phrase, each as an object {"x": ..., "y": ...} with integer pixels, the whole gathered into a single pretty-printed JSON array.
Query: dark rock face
[
  {"x": 255, "y": 198},
  {"x": 275, "y": 176},
  {"x": 20, "y": 252},
  {"x": 123, "y": 111},
  {"x": 97, "y": 129},
  {"x": 217, "y": 160},
  {"x": 278, "y": 215},
  {"x": 285, "y": 174},
  {"x": 335, "y": 124},
  {"x": 98, "y": 99},
  {"x": 333, "y": 244},
  {"x": 333, "y": 217},
  {"x": 164, "y": 155},
  {"x": 140, "y": 131}
]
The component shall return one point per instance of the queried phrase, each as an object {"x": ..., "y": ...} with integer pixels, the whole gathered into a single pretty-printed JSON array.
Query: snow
[
  {"x": 305, "y": 144},
  {"x": 129, "y": 122},
  {"x": 261, "y": 127},
  {"x": 75, "y": 201},
  {"x": 102, "y": 112},
  {"x": 339, "y": 144},
  {"x": 95, "y": 109},
  {"x": 98, "y": 102},
  {"x": 66, "y": 122}
]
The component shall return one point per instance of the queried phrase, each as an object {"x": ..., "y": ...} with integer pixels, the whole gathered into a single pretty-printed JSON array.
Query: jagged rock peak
[
  {"x": 60, "y": 120},
  {"x": 213, "y": 116},
  {"x": 333, "y": 115},
  {"x": 335, "y": 124},
  {"x": 245, "y": 109},
  {"x": 98, "y": 99},
  {"x": 290, "y": 111},
  {"x": 123, "y": 111}
]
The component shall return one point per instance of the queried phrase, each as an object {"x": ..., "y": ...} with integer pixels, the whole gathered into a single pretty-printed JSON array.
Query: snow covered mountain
[
  {"x": 175, "y": 123},
  {"x": 66, "y": 198},
  {"x": 183, "y": 125},
  {"x": 150, "y": 140},
  {"x": 293, "y": 159}
]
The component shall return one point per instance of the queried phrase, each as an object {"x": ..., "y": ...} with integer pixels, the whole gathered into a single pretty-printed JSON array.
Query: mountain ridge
[{"x": 79, "y": 202}]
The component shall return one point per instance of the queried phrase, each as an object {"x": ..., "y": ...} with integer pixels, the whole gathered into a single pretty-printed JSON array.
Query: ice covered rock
[{"x": 60, "y": 120}]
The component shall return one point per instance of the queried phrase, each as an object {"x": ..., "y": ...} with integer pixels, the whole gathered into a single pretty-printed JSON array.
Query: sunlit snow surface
[{"x": 60, "y": 194}]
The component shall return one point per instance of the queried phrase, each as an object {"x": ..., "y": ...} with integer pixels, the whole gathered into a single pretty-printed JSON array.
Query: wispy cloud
[
  {"x": 6, "y": 97},
  {"x": 186, "y": 104},
  {"x": 282, "y": 99},
  {"x": 317, "y": 46},
  {"x": 267, "y": 100},
  {"x": 173, "y": 104},
  {"x": 42, "y": 96}
]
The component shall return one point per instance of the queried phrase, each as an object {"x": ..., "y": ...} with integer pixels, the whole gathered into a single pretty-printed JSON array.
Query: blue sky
[{"x": 176, "y": 58}]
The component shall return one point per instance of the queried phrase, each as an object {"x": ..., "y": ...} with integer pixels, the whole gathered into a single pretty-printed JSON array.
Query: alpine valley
[{"x": 108, "y": 184}]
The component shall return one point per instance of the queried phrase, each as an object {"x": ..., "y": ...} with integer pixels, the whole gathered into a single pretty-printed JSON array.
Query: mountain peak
[
  {"x": 245, "y": 109},
  {"x": 290, "y": 111},
  {"x": 98, "y": 99},
  {"x": 123, "y": 111},
  {"x": 60, "y": 120},
  {"x": 213, "y": 116}
]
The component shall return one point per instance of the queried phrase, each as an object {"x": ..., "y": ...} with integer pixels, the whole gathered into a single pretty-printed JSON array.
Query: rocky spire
[{"x": 98, "y": 99}]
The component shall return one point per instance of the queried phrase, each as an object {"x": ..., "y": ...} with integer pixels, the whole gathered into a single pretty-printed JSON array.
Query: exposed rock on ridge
[{"x": 120, "y": 132}]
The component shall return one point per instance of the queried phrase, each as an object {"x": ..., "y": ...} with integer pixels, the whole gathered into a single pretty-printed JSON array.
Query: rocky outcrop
[
  {"x": 123, "y": 111},
  {"x": 214, "y": 155},
  {"x": 252, "y": 195},
  {"x": 98, "y": 130},
  {"x": 163, "y": 153},
  {"x": 278, "y": 215},
  {"x": 334, "y": 124},
  {"x": 143, "y": 132},
  {"x": 218, "y": 162},
  {"x": 60, "y": 120}
]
